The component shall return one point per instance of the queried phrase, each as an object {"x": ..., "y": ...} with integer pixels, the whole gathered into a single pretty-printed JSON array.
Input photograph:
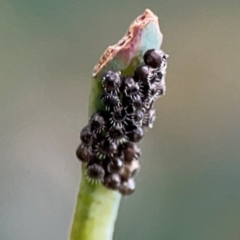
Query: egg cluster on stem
[{"x": 109, "y": 141}]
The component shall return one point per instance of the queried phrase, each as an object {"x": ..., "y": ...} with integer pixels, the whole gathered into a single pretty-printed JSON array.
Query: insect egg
[
  {"x": 142, "y": 73},
  {"x": 131, "y": 88},
  {"x": 116, "y": 134},
  {"x": 129, "y": 170},
  {"x": 105, "y": 148},
  {"x": 95, "y": 172},
  {"x": 136, "y": 134},
  {"x": 130, "y": 151},
  {"x": 157, "y": 76},
  {"x": 111, "y": 81},
  {"x": 97, "y": 123},
  {"x": 137, "y": 117},
  {"x": 115, "y": 164},
  {"x": 110, "y": 100},
  {"x": 134, "y": 167},
  {"x": 125, "y": 172},
  {"x": 112, "y": 181},
  {"x": 84, "y": 153},
  {"x": 86, "y": 135},
  {"x": 153, "y": 58},
  {"x": 127, "y": 187},
  {"x": 155, "y": 90},
  {"x": 119, "y": 118}
]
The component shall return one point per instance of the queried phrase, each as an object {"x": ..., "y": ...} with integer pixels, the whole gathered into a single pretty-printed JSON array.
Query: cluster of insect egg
[{"x": 109, "y": 142}]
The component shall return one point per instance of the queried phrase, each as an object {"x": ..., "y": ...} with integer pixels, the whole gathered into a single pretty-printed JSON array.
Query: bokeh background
[{"x": 189, "y": 184}]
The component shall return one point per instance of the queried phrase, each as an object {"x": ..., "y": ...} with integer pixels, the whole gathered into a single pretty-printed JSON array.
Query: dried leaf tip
[{"x": 127, "y": 45}]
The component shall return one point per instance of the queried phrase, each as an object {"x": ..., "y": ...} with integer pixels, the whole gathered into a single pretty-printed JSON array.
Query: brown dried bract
[{"x": 127, "y": 43}]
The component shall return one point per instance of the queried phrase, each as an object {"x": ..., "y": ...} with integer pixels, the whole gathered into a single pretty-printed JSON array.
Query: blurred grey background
[{"x": 189, "y": 185}]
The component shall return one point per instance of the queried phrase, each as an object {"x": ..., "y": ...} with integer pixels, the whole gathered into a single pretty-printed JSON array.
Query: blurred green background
[{"x": 189, "y": 184}]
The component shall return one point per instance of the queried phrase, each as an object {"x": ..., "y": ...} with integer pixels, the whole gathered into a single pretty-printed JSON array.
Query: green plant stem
[
  {"x": 97, "y": 207},
  {"x": 96, "y": 212}
]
